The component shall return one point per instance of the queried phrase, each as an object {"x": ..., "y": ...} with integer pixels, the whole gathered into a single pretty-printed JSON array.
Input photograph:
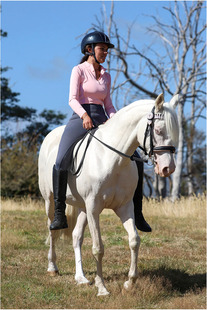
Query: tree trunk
[
  {"x": 160, "y": 187},
  {"x": 179, "y": 163}
]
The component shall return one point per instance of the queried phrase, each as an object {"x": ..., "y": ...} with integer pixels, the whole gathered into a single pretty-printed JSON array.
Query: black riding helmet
[{"x": 94, "y": 38}]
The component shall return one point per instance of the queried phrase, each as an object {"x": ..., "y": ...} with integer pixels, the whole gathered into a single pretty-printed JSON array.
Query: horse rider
[{"x": 90, "y": 86}]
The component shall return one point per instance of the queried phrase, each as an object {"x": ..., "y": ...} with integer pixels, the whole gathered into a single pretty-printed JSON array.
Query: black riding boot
[
  {"x": 59, "y": 191},
  {"x": 140, "y": 222}
]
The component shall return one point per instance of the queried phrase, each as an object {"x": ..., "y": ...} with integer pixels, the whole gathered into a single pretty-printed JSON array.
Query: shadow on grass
[{"x": 180, "y": 280}]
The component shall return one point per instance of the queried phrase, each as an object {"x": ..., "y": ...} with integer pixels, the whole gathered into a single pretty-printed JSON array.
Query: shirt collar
[{"x": 91, "y": 67}]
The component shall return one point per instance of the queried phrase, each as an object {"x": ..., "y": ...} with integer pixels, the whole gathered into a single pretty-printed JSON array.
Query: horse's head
[{"x": 161, "y": 135}]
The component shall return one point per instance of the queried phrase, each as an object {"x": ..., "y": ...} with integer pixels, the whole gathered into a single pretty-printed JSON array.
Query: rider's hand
[{"x": 87, "y": 122}]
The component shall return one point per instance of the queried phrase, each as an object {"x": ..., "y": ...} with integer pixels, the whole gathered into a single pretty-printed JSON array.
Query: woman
[{"x": 89, "y": 92}]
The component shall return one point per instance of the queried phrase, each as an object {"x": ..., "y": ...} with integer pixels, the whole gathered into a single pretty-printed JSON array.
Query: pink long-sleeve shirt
[{"x": 86, "y": 89}]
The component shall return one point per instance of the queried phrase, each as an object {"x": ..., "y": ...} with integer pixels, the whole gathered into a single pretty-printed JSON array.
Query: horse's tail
[
  {"x": 66, "y": 234},
  {"x": 72, "y": 214}
]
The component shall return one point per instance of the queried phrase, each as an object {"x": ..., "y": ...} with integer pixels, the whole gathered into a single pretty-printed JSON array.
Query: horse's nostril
[{"x": 165, "y": 171}]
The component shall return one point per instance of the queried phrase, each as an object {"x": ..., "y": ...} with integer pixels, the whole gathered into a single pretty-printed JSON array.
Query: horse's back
[{"x": 46, "y": 160}]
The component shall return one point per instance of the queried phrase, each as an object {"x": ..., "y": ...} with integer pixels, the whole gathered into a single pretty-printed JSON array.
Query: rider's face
[{"x": 101, "y": 51}]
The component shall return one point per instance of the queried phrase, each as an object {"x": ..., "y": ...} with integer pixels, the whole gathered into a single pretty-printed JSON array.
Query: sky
[{"x": 43, "y": 43}]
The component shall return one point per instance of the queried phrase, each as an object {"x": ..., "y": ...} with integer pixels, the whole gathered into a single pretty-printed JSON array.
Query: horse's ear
[
  {"x": 174, "y": 101},
  {"x": 159, "y": 102}
]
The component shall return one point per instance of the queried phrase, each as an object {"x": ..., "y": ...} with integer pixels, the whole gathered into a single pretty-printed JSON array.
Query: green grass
[{"x": 171, "y": 262}]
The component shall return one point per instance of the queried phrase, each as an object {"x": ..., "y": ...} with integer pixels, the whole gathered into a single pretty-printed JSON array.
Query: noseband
[{"x": 149, "y": 132}]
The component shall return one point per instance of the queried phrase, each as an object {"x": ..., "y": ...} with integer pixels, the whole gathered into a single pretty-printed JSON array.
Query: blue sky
[{"x": 43, "y": 43}]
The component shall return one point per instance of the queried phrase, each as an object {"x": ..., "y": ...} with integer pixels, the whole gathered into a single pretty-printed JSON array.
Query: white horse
[{"x": 107, "y": 179}]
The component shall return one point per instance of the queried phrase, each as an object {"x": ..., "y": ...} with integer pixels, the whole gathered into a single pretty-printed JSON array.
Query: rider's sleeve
[{"x": 75, "y": 81}]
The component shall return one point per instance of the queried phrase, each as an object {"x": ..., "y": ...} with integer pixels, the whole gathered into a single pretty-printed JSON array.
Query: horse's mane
[
  {"x": 145, "y": 106},
  {"x": 171, "y": 122}
]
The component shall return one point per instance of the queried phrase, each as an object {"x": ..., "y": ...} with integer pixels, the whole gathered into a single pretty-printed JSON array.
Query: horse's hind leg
[
  {"x": 126, "y": 215},
  {"x": 78, "y": 234},
  {"x": 53, "y": 235}
]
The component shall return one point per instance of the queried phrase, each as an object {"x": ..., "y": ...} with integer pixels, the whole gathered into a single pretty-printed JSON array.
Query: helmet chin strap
[{"x": 93, "y": 54}]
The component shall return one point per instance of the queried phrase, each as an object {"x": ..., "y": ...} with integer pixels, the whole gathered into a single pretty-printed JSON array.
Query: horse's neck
[{"x": 120, "y": 131}]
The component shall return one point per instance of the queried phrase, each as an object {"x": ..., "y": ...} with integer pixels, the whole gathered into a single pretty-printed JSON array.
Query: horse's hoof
[
  {"x": 103, "y": 293},
  {"x": 53, "y": 273},
  {"x": 82, "y": 280},
  {"x": 128, "y": 285}
]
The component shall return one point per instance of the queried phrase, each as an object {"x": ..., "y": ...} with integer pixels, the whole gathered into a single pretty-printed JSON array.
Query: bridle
[{"x": 149, "y": 132}]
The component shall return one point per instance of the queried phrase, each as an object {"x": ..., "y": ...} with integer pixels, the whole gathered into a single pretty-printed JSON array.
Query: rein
[
  {"x": 133, "y": 157},
  {"x": 84, "y": 154},
  {"x": 91, "y": 132},
  {"x": 148, "y": 132}
]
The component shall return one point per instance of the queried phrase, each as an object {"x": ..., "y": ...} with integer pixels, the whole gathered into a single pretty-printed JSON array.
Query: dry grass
[
  {"x": 26, "y": 204},
  {"x": 171, "y": 262},
  {"x": 185, "y": 207}
]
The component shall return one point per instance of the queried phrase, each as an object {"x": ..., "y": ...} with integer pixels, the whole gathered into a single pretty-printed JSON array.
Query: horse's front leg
[
  {"x": 98, "y": 247},
  {"x": 126, "y": 214},
  {"x": 78, "y": 234}
]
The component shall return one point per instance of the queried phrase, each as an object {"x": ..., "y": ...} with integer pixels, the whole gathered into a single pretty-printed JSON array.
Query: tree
[
  {"x": 174, "y": 64},
  {"x": 197, "y": 175},
  {"x": 9, "y": 107},
  {"x": 185, "y": 47},
  {"x": 19, "y": 149},
  {"x": 19, "y": 169}
]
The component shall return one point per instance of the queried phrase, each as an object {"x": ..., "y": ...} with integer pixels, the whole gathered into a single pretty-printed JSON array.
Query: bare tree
[
  {"x": 185, "y": 45},
  {"x": 174, "y": 64}
]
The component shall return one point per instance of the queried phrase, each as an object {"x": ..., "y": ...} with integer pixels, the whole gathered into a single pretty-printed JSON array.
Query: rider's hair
[{"x": 85, "y": 57}]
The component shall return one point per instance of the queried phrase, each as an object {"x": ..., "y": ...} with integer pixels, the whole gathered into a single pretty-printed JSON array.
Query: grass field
[{"x": 172, "y": 260}]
